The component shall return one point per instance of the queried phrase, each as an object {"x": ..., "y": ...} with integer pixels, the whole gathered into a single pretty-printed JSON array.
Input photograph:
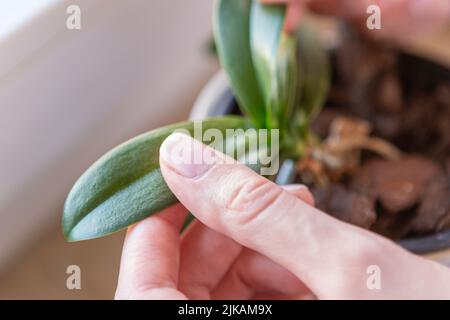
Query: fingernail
[{"x": 184, "y": 155}]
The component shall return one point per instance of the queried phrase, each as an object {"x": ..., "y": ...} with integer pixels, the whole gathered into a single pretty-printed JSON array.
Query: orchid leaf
[
  {"x": 126, "y": 184},
  {"x": 314, "y": 68},
  {"x": 231, "y": 32},
  {"x": 274, "y": 56}
]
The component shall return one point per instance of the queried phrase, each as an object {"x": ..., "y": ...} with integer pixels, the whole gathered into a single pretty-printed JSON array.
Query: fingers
[
  {"x": 254, "y": 274},
  {"x": 294, "y": 11},
  {"x": 331, "y": 258},
  {"x": 408, "y": 18},
  {"x": 150, "y": 258},
  {"x": 206, "y": 256},
  {"x": 260, "y": 215},
  {"x": 401, "y": 18}
]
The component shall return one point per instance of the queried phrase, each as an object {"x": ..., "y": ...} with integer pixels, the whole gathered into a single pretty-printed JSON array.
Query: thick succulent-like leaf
[
  {"x": 314, "y": 70},
  {"x": 126, "y": 185},
  {"x": 231, "y": 32},
  {"x": 286, "y": 80},
  {"x": 274, "y": 56}
]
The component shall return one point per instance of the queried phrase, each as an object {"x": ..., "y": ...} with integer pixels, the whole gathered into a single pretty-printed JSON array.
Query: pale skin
[
  {"x": 256, "y": 240},
  {"x": 400, "y": 18}
]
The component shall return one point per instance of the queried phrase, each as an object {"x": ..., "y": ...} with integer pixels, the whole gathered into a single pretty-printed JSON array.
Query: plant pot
[{"x": 217, "y": 99}]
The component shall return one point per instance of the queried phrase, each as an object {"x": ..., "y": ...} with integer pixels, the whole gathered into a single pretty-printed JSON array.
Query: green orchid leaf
[
  {"x": 286, "y": 80},
  {"x": 274, "y": 56},
  {"x": 231, "y": 32},
  {"x": 126, "y": 184},
  {"x": 314, "y": 67}
]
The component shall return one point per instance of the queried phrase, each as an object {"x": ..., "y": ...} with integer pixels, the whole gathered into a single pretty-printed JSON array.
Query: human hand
[
  {"x": 400, "y": 18},
  {"x": 255, "y": 239}
]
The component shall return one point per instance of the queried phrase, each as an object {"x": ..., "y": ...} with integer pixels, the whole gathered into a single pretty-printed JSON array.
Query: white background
[{"x": 67, "y": 96}]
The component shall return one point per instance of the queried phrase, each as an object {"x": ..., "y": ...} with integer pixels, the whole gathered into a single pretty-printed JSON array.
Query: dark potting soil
[{"x": 407, "y": 102}]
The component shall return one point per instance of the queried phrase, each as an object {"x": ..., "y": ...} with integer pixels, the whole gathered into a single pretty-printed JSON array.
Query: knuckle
[{"x": 250, "y": 198}]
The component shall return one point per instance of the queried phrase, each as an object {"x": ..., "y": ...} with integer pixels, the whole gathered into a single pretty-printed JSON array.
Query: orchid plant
[{"x": 279, "y": 80}]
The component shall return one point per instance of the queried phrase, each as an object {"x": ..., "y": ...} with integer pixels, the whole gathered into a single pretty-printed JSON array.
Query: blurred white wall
[{"x": 67, "y": 96}]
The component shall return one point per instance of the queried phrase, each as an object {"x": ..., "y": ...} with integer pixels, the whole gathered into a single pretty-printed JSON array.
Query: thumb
[{"x": 235, "y": 201}]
